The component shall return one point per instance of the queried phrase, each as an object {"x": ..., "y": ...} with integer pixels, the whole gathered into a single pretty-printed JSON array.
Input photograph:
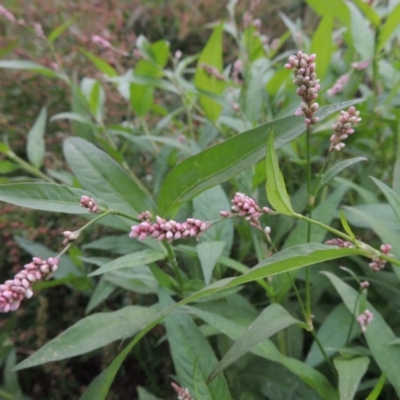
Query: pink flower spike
[
  {"x": 7, "y": 15},
  {"x": 100, "y": 41}
]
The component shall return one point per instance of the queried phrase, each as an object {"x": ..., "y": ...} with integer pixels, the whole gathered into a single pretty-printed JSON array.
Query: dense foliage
[{"x": 226, "y": 224}]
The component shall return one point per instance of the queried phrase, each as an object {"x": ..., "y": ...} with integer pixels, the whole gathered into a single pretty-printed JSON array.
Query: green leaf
[
  {"x": 212, "y": 56},
  {"x": 55, "y": 33},
  {"x": 99, "y": 387},
  {"x": 193, "y": 356},
  {"x": 345, "y": 224},
  {"x": 391, "y": 196},
  {"x": 225, "y": 160},
  {"x": 91, "y": 333},
  {"x": 100, "y": 64},
  {"x": 130, "y": 261},
  {"x": 322, "y": 45},
  {"x": 337, "y": 168},
  {"x": 234, "y": 329},
  {"x": 35, "y": 147},
  {"x": 389, "y": 27},
  {"x": 363, "y": 37},
  {"x": 105, "y": 178},
  {"x": 350, "y": 371},
  {"x": 29, "y": 66},
  {"x": 73, "y": 117},
  {"x": 44, "y": 196},
  {"x": 207, "y": 207},
  {"x": 276, "y": 188},
  {"x": 209, "y": 254},
  {"x": 101, "y": 293},
  {"x": 378, "y": 334},
  {"x": 369, "y": 12},
  {"x": 271, "y": 320}
]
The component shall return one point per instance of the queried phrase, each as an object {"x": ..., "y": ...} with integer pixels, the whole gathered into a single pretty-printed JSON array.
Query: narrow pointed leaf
[
  {"x": 225, "y": 160},
  {"x": 339, "y": 167},
  {"x": 29, "y": 66},
  {"x": 55, "y": 33},
  {"x": 391, "y": 196},
  {"x": 389, "y": 27},
  {"x": 105, "y": 178},
  {"x": 272, "y": 320},
  {"x": 374, "y": 395},
  {"x": 276, "y": 187},
  {"x": 44, "y": 196},
  {"x": 91, "y": 333},
  {"x": 350, "y": 371},
  {"x": 101, "y": 65},
  {"x": 35, "y": 147},
  {"x": 266, "y": 349},
  {"x": 345, "y": 224},
  {"x": 131, "y": 261},
  {"x": 193, "y": 356},
  {"x": 209, "y": 253}
]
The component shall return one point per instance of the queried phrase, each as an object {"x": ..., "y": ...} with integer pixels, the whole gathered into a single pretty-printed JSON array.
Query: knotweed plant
[{"x": 217, "y": 246}]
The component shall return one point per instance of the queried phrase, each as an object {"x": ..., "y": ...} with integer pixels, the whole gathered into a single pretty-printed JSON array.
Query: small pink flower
[
  {"x": 183, "y": 394},
  {"x": 169, "y": 230},
  {"x": 13, "y": 291},
  {"x": 364, "y": 319},
  {"x": 339, "y": 242},
  {"x": 178, "y": 55},
  {"x": 70, "y": 236},
  {"x": 360, "y": 65},
  {"x": 364, "y": 284},
  {"x": 343, "y": 127},
  {"x": 90, "y": 204},
  {"x": 339, "y": 85},
  {"x": 38, "y": 30},
  {"x": 212, "y": 71},
  {"x": 303, "y": 66},
  {"x": 100, "y": 41},
  {"x": 7, "y": 15}
]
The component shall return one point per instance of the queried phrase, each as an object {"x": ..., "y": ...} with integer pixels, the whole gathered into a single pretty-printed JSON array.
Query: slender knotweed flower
[
  {"x": 364, "y": 284},
  {"x": 303, "y": 67},
  {"x": 90, "y": 204},
  {"x": 245, "y": 206},
  {"x": 13, "y": 291},
  {"x": 7, "y": 14},
  {"x": 343, "y": 127},
  {"x": 339, "y": 242},
  {"x": 169, "y": 230},
  {"x": 100, "y": 41},
  {"x": 338, "y": 85},
  {"x": 183, "y": 394},
  {"x": 378, "y": 263},
  {"x": 364, "y": 319},
  {"x": 360, "y": 65},
  {"x": 210, "y": 70}
]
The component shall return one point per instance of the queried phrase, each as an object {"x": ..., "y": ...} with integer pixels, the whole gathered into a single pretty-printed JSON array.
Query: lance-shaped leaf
[
  {"x": 225, "y": 160},
  {"x": 91, "y": 333},
  {"x": 131, "y": 261},
  {"x": 276, "y": 188},
  {"x": 350, "y": 371},
  {"x": 44, "y": 196},
  {"x": 105, "y": 178},
  {"x": 29, "y": 66},
  {"x": 272, "y": 320},
  {"x": 266, "y": 349},
  {"x": 193, "y": 356},
  {"x": 391, "y": 196},
  {"x": 35, "y": 147}
]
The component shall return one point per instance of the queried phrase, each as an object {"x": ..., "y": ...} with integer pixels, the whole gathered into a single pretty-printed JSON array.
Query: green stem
[
  {"x": 174, "y": 263},
  {"x": 310, "y": 208},
  {"x": 352, "y": 320},
  {"x": 326, "y": 357},
  {"x": 28, "y": 167}
]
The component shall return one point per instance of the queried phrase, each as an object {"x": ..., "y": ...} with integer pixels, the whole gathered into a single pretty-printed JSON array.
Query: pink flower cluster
[
  {"x": 364, "y": 284},
  {"x": 169, "y": 230},
  {"x": 360, "y": 65},
  {"x": 378, "y": 263},
  {"x": 303, "y": 67},
  {"x": 339, "y": 85},
  {"x": 364, "y": 319},
  {"x": 343, "y": 127},
  {"x": 339, "y": 242},
  {"x": 100, "y": 41},
  {"x": 245, "y": 206},
  {"x": 7, "y": 14},
  {"x": 13, "y": 291},
  {"x": 183, "y": 394},
  {"x": 70, "y": 236},
  {"x": 90, "y": 204}
]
